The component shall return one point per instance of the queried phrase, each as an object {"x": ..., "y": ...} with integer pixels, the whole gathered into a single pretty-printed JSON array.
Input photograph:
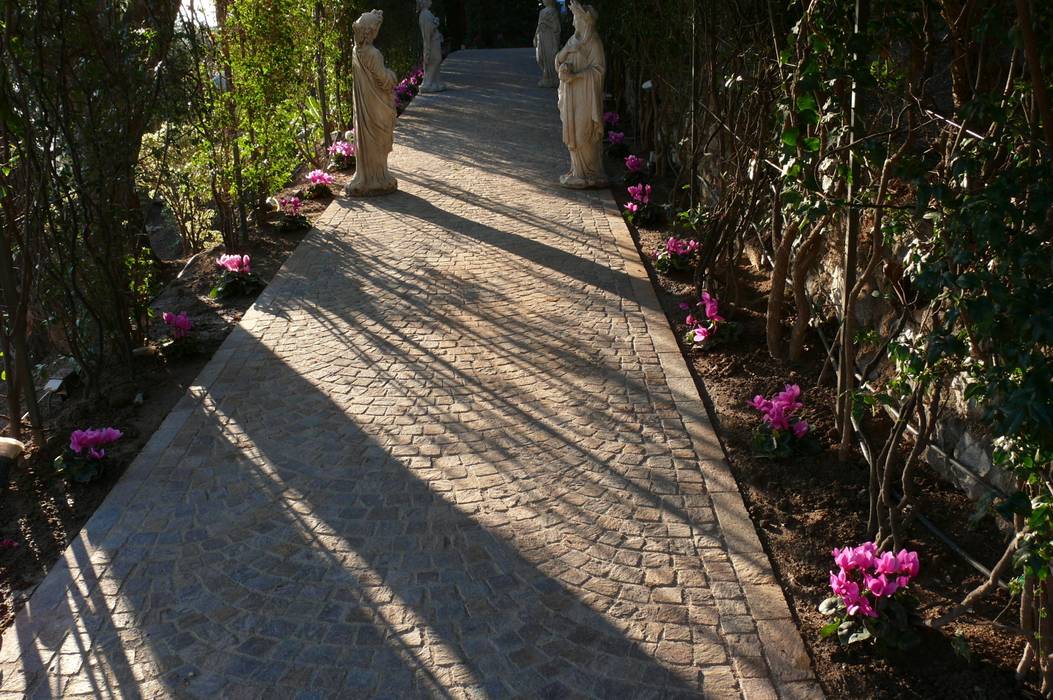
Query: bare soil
[{"x": 808, "y": 505}]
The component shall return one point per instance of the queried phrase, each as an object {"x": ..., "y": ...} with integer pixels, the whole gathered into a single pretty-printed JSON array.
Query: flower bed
[{"x": 808, "y": 504}]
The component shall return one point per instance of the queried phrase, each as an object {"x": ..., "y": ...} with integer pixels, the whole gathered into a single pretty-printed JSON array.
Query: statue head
[
  {"x": 584, "y": 17},
  {"x": 550, "y": 4},
  {"x": 423, "y": 5},
  {"x": 367, "y": 26}
]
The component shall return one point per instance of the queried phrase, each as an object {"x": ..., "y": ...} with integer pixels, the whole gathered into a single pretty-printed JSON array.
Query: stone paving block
[{"x": 452, "y": 450}]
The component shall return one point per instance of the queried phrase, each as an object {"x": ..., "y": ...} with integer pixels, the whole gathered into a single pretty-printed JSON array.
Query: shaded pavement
[{"x": 452, "y": 451}]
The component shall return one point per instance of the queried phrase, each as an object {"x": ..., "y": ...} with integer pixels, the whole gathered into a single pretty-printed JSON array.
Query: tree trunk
[{"x": 778, "y": 289}]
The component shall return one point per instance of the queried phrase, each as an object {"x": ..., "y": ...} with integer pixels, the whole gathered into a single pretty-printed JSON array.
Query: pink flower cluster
[
  {"x": 342, "y": 148},
  {"x": 290, "y": 206},
  {"x": 863, "y": 572},
  {"x": 320, "y": 177},
  {"x": 611, "y": 118},
  {"x": 179, "y": 325},
  {"x": 641, "y": 196},
  {"x": 92, "y": 441},
  {"x": 703, "y": 328},
  {"x": 681, "y": 246},
  {"x": 635, "y": 164},
  {"x": 406, "y": 90},
  {"x": 239, "y": 264},
  {"x": 779, "y": 409},
  {"x": 616, "y": 138},
  {"x": 640, "y": 193}
]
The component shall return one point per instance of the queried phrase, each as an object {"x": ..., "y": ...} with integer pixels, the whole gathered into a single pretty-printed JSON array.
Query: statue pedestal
[{"x": 367, "y": 190}]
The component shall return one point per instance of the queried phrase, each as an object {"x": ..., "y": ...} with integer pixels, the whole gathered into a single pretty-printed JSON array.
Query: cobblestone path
[{"x": 451, "y": 452}]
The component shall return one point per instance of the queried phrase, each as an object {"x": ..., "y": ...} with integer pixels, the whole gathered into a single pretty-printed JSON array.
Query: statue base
[
  {"x": 574, "y": 182},
  {"x": 353, "y": 190}
]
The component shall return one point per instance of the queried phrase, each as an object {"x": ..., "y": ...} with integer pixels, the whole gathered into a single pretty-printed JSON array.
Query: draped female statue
[
  {"x": 374, "y": 110},
  {"x": 429, "y": 31},
  {"x": 581, "y": 66},
  {"x": 546, "y": 43}
]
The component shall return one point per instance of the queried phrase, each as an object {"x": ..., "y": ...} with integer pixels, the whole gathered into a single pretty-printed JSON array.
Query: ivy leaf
[
  {"x": 790, "y": 137},
  {"x": 812, "y": 144}
]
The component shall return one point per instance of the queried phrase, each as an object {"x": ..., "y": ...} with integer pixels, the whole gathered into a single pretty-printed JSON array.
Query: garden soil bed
[
  {"x": 805, "y": 506},
  {"x": 40, "y": 513}
]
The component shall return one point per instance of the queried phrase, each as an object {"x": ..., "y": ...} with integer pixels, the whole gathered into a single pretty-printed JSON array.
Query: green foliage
[
  {"x": 236, "y": 284},
  {"x": 78, "y": 468},
  {"x": 170, "y": 170},
  {"x": 894, "y": 629}
]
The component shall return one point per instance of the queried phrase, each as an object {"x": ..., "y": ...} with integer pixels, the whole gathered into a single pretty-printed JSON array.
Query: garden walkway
[{"x": 452, "y": 451}]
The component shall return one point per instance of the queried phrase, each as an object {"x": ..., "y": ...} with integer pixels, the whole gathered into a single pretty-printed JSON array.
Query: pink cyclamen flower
[
  {"x": 682, "y": 247},
  {"x": 240, "y": 264},
  {"x": 881, "y": 586},
  {"x": 635, "y": 164},
  {"x": 641, "y": 193},
  {"x": 683, "y": 306},
  {"x": 800, "y": 429},
  {"x": 842, "y": 585},
  {"x": 886, "y": 564},
  {"x": 852, "y": 558},
  {"x": 611, "y": 118},
  {"x": 860, "y": 605},
  {"x": 632, "y": 207},
  {"x": 760, "y": 403},
  {"x": 179, "y": 325},
  {"x": 616, "y": 137},
  {"x": 710, "y": 304},
  {"x": 320, "y": 177},
  {"x": 92, "y": 439},
  {"x": 908, "y": 563},
  {"x": 342, "y": 148},
  {"x": 290, "y": 205},
  {"x": 702, "y": 334}
]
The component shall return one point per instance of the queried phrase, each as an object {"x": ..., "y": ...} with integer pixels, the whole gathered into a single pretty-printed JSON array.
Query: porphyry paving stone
[{"x": 452, "y": 451}]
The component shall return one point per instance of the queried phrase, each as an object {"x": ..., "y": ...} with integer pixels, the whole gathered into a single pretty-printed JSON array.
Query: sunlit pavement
[{"x": 453, "y": 451}]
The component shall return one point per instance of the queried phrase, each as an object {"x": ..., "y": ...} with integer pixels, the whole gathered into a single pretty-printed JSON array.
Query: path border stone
[{"x": 769, "y": 627}]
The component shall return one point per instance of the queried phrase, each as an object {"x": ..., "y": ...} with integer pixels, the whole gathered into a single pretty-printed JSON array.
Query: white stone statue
[
  {"x": 432, "y": 37},
  {"x": 581, "y": 66},
  {"x": 546, "y": 44},
  {"x": 374, "y": 111}
]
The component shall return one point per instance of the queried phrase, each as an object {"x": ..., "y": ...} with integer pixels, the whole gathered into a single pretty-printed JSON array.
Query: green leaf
[
  {"x": 790, "y": 137},
  {"x": 830, "y": 629},
  {"x": 812, "y": 144},
  {"x": 830, "y": 605},
  {"x": 807, "y": 102},
  {"x": 860, "y": 635}
]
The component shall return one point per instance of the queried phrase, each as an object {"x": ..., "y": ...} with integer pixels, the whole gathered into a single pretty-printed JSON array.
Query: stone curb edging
[{"x": 788, "y": 674}]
